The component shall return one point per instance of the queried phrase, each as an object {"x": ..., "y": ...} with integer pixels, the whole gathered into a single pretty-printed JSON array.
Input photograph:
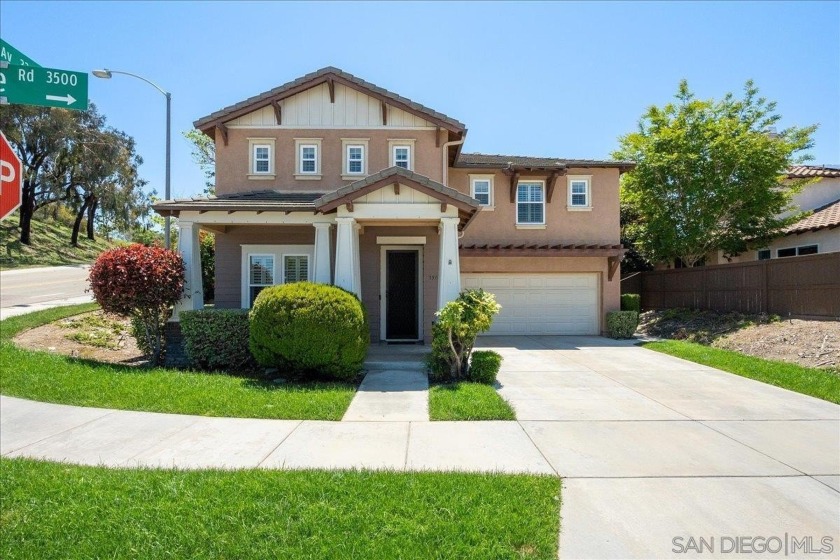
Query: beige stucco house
[{"x": 332, "y": 179}]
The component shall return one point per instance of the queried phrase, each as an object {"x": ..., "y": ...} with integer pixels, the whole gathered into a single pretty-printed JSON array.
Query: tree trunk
[
  {"x": 77, "y": 223},
  {"x": 27, "y": 208},
  {"x": 91, "y": 214}
]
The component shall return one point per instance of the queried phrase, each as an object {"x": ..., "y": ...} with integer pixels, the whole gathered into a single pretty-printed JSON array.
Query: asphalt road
[{"x": 29, "y": 287}]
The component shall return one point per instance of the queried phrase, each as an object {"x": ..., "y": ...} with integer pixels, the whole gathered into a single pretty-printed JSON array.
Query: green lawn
[
  {"x": 50, "y": 244},
  {"x": 467, "y": 401},
  {"x": 54, "y": 510},
  {"x": 808, "y": 381},
  {"x": 54, "y": 378}
]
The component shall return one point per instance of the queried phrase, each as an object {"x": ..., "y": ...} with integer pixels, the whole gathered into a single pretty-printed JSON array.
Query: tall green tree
[
  {"x": 204, "y": 154},
  {"x": 709, "y": 175}
]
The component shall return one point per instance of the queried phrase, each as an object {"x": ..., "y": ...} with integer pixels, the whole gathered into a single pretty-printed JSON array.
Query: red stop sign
[{"x": 11, "y": 178}]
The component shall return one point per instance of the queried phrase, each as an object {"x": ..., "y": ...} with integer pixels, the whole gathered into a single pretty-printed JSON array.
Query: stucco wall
[
  {"x": 827, "y": 239},
  {"x": 598, "y": 226},
  {"x": 610, "y": 297},
  {"x": 818, "y": 194},
  {"x": 233, "y": 160}
]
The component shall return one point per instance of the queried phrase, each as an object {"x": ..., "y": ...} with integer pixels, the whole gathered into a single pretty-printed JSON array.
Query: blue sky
[{"x": 579, "y": 74}]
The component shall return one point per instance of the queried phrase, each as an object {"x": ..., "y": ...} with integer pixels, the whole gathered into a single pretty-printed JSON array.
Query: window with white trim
[
  {"x": 800, "y": 251},
  {"x": 402, "y": 156},
  {"x": 308, "y": 159},
  {"x": 530, "y": 203},
  {"x": 262, "y": 159},
  {"x": 481, "y": 189},
  {"x": 295, "y": 268},
  {"x": 355, "y": 159},
  {"x": 579, "y": 193},
  {"x": 260, "y": 275}
]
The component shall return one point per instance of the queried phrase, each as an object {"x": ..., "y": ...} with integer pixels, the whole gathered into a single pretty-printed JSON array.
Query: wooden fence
[{"x": 806, "y": 286}]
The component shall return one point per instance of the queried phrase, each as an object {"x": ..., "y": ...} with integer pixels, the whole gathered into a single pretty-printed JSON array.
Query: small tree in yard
[
  {"x": 709, "y": 176},
  {"x": 459, "y": 323},
  {"x": 142, "y": 283}
]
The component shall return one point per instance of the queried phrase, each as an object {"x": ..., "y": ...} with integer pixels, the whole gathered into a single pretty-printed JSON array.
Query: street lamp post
[{"x": 106, "y": 74}]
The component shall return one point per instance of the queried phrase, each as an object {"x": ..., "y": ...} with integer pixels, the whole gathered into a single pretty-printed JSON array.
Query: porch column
[
  {"x": 357, "y": 267},
  {"x": 321, "y": 272},
  {"x": 347, "y": 255},
  {"x": 190, "y": 249},
  {"x": 449, "y": 275}
]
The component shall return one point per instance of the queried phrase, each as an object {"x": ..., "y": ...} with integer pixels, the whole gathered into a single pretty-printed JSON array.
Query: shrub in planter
[
  {"x": 458, "y": 324},
  {"x": 622, "y": 324},
  {"x": 484, "y": 366},
  {"x": 631, "y": 302},
  {"x": 217, "y": 339},
  {"x": 142, "y": 283},
  {"x": 309, "y": 330}
]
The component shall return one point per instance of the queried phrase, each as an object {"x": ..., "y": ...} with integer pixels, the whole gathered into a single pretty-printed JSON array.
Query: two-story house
[{"x": 332, "y": 179}]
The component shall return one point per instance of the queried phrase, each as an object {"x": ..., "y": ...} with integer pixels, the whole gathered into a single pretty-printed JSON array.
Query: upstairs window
[
  {"x": 260, "y": 275},
  {"x": 262, "y": 158},
  {"x": 308, "y": 159},
  {"x": 579, "y": 193},
  {"x": 355, "y": 160},
  {"x": 530, "y": 203},
  {"x": 402, "y": 156},
  {"x": 481, "y": 189},
  {"x": 295, "y": 268}
]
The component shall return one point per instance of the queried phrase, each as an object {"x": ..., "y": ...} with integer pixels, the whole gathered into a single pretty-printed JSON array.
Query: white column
[
  {"x": 357, "y": 265},
  {"x": 449, "y": 275},
  {"x": 321, "y": 271},
  {"x": 346, "y": 255},
  {"x": 190, "y": 249}
]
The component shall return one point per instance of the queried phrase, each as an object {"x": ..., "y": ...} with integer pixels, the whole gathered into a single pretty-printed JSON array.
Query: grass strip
[
  {"x": 808, "y": 381},
  {"x": 54, "y": 510},
  {"x": 467, "y": 401},
  {"x": 55, "y": 378}
]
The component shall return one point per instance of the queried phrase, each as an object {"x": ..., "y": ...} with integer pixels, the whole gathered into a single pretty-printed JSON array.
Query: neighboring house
[
  {"x": 332, "y": 179},
  {"x": 815, "y": 233}
]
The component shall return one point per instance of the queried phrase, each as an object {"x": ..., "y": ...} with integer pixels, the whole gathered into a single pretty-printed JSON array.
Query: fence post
[{"x": 766, "y": 301}]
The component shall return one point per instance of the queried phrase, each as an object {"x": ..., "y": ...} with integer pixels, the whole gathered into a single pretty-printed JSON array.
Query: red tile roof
[
  {"x": 827, "y": 216},
  {"x": 806, "y": 171}
]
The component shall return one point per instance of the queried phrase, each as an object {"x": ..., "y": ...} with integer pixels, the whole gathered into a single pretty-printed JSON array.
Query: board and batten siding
[{"x": 312, "y": 108}]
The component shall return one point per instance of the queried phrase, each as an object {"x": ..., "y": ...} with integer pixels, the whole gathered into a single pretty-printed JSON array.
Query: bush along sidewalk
[{"x": 622, "y": 324}]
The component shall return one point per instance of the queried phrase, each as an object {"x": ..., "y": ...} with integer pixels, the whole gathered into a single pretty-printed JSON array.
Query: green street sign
[
  {"x": 46, "y": 87},
  {"x": 11, "y": 55}
]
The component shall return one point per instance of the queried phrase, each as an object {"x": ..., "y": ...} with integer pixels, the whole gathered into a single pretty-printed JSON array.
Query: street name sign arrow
[{"x": 45, "y": 87}]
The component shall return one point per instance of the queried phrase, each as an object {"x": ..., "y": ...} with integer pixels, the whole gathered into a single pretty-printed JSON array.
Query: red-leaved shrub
[{"x": 142, "y": 283}]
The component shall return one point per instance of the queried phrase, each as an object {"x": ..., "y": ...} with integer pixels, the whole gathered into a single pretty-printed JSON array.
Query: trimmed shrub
[
  {"x": 309, "y": 329},
  {"x": 631, "y": 302},
  {"x": 217, "y": 339},
  {"x": 484, "y": 366},
  {"x": 142, "y": 283},
  {"x": 458, "y": 324},
  {"x": 622, "y": 324}
]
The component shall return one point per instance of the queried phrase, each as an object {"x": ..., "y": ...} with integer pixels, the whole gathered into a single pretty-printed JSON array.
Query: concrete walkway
[
  {"x": 652, "y": 448},
  {"x": 391, "y": 395}
]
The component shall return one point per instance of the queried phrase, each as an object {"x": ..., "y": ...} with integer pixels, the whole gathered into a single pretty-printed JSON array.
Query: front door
[{"x": 402, "y": 294}]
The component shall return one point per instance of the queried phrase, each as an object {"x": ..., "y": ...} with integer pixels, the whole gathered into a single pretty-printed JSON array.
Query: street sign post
[
  {"x": 46, "y": 87},
  {"x": 11, "y": 178},
  {"x": 13, "y": 56}
]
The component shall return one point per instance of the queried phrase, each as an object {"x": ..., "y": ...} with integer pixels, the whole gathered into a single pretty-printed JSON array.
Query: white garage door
[{"x": 541, "y": 303}]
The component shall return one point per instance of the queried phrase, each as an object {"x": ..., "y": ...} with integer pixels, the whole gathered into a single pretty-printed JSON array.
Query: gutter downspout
[{"x": 445, "y": 171}]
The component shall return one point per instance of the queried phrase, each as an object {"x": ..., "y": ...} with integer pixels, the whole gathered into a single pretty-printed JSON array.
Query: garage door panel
[{"x": 541, "y": 303}]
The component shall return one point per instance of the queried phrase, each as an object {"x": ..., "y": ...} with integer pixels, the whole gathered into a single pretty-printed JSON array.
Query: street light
[{"x": 106, "y": 74}]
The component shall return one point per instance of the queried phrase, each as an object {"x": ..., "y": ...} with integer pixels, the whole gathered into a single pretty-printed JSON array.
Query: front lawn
[
  {"x": 467, "y": 401},
  {"x": 808, "y": 381},
  {"x": 54, "y": 378},
  {"x": 54, "y": 510}
]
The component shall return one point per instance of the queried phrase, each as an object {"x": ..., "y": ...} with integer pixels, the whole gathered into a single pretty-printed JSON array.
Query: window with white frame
[
  {"x": 530, "y": 203},
  {"x": 295, "y": 268},
  {"x": 481, "y": 189},
  {"x": 308, "y": 159},
  {"x": 355, "y": 159},
  {"x": 402, "y": 156},
  {"x": 262, "y": 159},
  {"x": 260, "y": 275},
  {"x": 798, "y": 251},
  {"x": 579, "y": 195}
]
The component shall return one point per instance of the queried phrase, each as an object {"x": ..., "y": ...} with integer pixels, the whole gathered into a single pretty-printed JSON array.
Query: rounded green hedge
[{"x": 308, "y": 329}]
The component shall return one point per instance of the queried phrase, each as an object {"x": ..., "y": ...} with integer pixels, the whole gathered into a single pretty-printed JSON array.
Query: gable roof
[
  {"x": 329, "y": 74},
  {"x": 528, "y": 162},
  {"x": 806, "y": 171},
  {"x": 259, "y": 201},
  {"x": 827, "y": 216},
  {"x": 348, "y": 193}
]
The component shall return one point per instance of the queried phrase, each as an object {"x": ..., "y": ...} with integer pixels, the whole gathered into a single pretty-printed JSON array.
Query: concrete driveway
[{"x": 657, "y": 452}]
